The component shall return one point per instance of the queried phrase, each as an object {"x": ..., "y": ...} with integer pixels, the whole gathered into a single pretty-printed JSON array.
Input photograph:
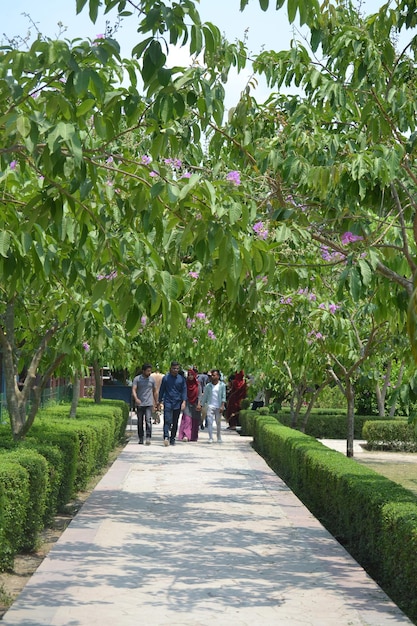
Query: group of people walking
[{"x": 201, "y": 399}]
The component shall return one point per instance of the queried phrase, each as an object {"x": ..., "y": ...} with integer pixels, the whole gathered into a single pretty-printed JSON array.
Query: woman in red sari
[{"x": 237, "y": 394}]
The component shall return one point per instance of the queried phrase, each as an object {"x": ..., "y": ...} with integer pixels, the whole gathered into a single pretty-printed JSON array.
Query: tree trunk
[
  {"x": 18, "y": 399},
  {"x": 267, "y": 397},
  {"x": 97, "y": 382},
  {"x": 350, "y": 397},
  {"x": 397, "y": 386},
  {"x": 311, "y": 404},
  {"x": 75, "y": 395}
]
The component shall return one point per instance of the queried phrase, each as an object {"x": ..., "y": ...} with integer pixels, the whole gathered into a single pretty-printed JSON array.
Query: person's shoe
[
  {"x": 202, "y": 427},
  {"x": 185, "y": 438},
  {"x": 219, "y": 440},
  {"x": 210, "y": 441},
  {"x": 140, "y": 441},
  {"x": 172, "y": 442},
  {"x": 166, "y": 442},
  {"x": 148, "y": 441}
]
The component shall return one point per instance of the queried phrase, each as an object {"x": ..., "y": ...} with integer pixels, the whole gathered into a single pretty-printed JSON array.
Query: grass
[{"x": 403, "y": 472}]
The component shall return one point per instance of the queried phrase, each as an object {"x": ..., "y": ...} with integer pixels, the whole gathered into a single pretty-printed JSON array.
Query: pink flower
[
  {"x": 86, "y": 346},
  {"x": 186, "y": 175},
  {"x": 333, "y": 308},
  {"x": 146, "y": 159},
  {"x": 201, "y": 316},
  {"x": 193, "y": 274},
  {"x": 349, "y": 237},
  {"x": 233, "y": 177},
  {"x": 153, "y": 173},
  {"x": 189, "y": 322},
  {"x": 13, "y": 165},
  {"x": 143, "y": 320},
  {"x": 261, "y": 230},
  {"x": 211, "y": 335}
]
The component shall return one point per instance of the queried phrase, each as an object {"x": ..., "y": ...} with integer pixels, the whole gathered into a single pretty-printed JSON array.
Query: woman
[
  {"x": 237, "y": 394},
  {"x": 190, "y": 421}
]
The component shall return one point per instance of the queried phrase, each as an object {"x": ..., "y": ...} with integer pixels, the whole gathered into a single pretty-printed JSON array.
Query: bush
[
  {"x": 37, "y": 469},
  {"x": 39, "y": 476},
  {"x": 390, "y": 435},
  {"x": 375, "y": 518},
  {"x": 14, "y": 504}
]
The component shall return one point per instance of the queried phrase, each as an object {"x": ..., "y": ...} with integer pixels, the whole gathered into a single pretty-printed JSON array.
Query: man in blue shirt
[{"x": 173, "y": 393}]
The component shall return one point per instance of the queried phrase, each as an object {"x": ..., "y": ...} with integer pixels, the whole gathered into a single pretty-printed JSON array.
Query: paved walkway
[{"x": 198, "y": 535}]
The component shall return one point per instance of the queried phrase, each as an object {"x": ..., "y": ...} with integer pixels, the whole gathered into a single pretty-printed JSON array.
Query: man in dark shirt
[{"x": 173, "y": 393}]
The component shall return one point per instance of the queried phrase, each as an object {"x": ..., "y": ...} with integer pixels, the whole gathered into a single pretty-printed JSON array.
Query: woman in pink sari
[{"x": 190, "y": 421}]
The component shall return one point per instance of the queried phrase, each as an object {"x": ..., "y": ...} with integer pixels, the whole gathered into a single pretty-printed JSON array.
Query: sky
[{"x": 269, "y": 30}]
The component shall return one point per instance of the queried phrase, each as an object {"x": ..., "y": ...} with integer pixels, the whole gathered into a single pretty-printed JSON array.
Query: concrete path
[{"x": 198, "y": 534}]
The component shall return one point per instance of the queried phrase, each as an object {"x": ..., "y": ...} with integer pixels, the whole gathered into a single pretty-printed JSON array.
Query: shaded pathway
[{"x": 198, "y": 534}]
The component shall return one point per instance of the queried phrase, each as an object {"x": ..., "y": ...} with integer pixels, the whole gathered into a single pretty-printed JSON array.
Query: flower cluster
[
  {"x": 349, "y": 237},
  {"x": 110, "y": 276},
  {"x": 314, "y": 335},
  {"x": 86, "y": 346},
  {"x": 260, "y": 230},
  {"x": 211, "y": 335},
  {"x": 330, "y": 256},
  {"x": 234, "y": 177},
  {"x": 193, "y": 274},
  {"x": 176, "y": 163}
]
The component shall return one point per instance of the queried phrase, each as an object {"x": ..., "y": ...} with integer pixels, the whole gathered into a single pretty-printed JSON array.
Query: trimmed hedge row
[
  {"x": 39, "y": 475},
  {"x": 390, "y": 435},
  {"x": 325, "y": 425},
  {"x": 374, "y": 518}
]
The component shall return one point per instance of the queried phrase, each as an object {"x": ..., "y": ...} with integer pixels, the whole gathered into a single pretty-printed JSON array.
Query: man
[
  {"x": 214, "y": 399},
  {"x": 156, "y": 415},
  {"x": 145, "y": 398},
  {"x": 173, "y": 393}
]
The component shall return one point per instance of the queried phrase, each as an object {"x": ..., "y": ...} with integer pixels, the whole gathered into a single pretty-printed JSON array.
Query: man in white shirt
[{"x": 214, "y": 400}]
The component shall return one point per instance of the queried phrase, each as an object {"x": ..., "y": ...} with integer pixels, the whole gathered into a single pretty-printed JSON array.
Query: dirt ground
[{"x": 12, "y": 583}]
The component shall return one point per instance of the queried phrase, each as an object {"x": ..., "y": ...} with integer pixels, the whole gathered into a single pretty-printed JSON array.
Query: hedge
[
  {"x": 374, "y": 518},
  {"x": 14, "y": 503},
  {"x": 324, "y": 425},
  {"x": 37, "y": 468},
  {"x": 39, "y": 475},
  {"x": 390, "y": 435}
]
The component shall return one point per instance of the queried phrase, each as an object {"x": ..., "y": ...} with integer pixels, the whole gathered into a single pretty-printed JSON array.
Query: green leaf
[
  {"x": 355, "y": 284},
  {"x": 133, "y": 319},
  {"x": 23, "y": 125},
  {"x": 292, "y": 9},
  {"x": 99, "y": 290},
  {"x": 4, "y": 242},
  {"x": 366, "y": 272}
]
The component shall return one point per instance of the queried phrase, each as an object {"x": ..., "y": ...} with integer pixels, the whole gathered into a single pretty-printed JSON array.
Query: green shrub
[
  {"x": 14, "y": 504},
  {"x": 375, "y": 518},
  {"x": 56, "y": 468},
  {"x": 37, "y": 468},
  {"x": 390, "y": 435},
  {"x": 56, "y": 434}
]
